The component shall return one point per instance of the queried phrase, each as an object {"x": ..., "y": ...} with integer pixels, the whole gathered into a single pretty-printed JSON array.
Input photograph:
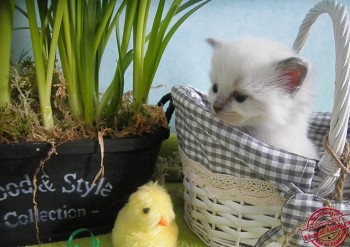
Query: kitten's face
[
  {"x": 235, "y": 102},
  {"x": 235, "y": 106},
  {"x": 254, "y": 82}
]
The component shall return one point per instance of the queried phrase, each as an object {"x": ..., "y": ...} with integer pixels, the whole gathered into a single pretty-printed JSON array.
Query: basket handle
[
  {"x": 341, "y": 103},
  {"x": 170, "y": 110}
]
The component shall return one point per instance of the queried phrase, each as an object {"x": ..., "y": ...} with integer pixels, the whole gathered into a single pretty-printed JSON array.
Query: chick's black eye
[
  {"x": 239, "y": 97},
  {"x": 146, "y": 210},
  {"x": 215, "y": 88}
]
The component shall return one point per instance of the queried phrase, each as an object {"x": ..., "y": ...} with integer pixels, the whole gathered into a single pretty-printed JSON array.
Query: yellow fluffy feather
[{"x": 147, "y": 220}]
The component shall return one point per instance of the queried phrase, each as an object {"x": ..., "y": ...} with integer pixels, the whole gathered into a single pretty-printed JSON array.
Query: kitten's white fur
[{"x": 271, "y": 111}]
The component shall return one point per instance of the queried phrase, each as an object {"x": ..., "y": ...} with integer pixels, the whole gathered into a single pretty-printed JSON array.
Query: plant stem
[
  {"x": 6, "y": 20},
  {"x": 112, "y": 97},
  {"x": 139, "y": 43},
  {"x": 43, "y": 68},
  {"x": 40, "y": 68},
  {"x": 68, "y": 50},
  {"x": 53, "y": 45}
]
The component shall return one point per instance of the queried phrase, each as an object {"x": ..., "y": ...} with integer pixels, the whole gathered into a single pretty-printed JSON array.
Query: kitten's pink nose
[{"x": 218, "y": 106}]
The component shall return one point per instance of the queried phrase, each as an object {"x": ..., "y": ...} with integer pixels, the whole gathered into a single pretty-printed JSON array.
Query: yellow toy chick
[{"x": 147, "y": 220}]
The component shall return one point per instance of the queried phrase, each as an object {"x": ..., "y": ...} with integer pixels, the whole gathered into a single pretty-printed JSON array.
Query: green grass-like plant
[
  {"x": 44, "y": 52},
  {"x": 77, "y": 33},
  {"x": 81, "y": 49}
]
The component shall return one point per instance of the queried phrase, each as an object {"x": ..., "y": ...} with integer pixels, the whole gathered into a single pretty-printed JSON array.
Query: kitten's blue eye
[
  {"x": 215, "y": 88},
  {"x": 239, "y": 97}
]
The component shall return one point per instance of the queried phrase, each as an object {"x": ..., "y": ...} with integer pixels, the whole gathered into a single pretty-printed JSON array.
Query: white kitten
[{"x": 265, "y": 89}]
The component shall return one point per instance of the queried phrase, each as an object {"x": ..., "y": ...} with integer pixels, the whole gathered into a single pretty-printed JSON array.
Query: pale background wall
[{"x": 187, "y": 59}]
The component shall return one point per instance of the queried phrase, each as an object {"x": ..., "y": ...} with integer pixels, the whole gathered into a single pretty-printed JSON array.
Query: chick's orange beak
[{"x": 163, "y": 222}]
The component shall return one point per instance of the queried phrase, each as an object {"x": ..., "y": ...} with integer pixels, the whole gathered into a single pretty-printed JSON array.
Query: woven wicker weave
[
  {"x": 257, "y": 194},
  {"x": 223, "y": 216}
]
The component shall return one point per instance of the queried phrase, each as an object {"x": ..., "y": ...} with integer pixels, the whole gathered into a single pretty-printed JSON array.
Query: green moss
[
  {"x": 169, "y": 146},
  {"x": 131, "y": 120},
  {"x": 169, "y": 167}
]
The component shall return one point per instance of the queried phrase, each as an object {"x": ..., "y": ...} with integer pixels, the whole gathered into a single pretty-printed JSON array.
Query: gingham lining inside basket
[{"x": 223, "y": 149}]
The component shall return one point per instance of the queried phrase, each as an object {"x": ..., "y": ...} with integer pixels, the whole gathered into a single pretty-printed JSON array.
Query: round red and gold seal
[{"x": 326, "y": 227}]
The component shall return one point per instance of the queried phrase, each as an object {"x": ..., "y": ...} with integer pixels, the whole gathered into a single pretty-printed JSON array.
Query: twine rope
[
  {"x": 343, "y": 162},
  {"x": 301, "y": 226},
  {"x": 101, "y": 172},
  {"x": 296, "y": 229},
  {"x": 51, "y": 152}
]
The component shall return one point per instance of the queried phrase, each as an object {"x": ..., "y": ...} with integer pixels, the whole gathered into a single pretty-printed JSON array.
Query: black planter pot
[{"x": 66, "y": 198}]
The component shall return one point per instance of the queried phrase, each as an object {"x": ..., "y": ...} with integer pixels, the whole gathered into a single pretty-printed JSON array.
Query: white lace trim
[{"x": 223, "y": 186}]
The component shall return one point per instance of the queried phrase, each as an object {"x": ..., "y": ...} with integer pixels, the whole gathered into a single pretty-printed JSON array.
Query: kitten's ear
[
  {"x": 293, "y": 71},
  {"x": 213, "y": 42}
]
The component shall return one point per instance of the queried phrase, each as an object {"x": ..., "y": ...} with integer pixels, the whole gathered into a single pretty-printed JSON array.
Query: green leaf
[
  {"x": 161, "y": 40},
  {"x": 40, "y": 66}
]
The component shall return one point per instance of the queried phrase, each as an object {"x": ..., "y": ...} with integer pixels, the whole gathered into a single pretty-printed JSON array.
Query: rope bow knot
[{"x": 344, "y": 163}]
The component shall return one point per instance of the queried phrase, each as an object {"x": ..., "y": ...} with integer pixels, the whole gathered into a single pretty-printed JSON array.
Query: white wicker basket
[
  {"x": 236, "y": 202},
  {"x": 225, "y": 210}
]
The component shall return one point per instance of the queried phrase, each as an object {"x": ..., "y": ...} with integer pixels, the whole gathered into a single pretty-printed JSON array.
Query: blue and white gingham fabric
[{"x": 227, "y": 150}]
